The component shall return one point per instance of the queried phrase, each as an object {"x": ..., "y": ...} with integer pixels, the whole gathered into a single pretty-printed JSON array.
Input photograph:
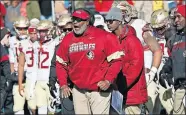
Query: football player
[
  {"x": 64, "y": 26},
  {"x": 45, "y": 54},
  {"x": 28, "y": 56},
  {"x": 163, "y": 28},
  {"x": 21, "y": 27}
]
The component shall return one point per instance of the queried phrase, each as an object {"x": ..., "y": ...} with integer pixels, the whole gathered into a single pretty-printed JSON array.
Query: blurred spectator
[
  {"x": 13, "y": 11},
  {"x": 100, "y": 22},
  {"x": 103, "y": 5},
  {"x": 6, "y": 2},
  {"x": 46, "y": 9},
  {"x": 60, "y": 8},
  {"x": 30, "y": 9},
  {"x": 79, "y": 4},
  {"x": 2, "y": 14}
]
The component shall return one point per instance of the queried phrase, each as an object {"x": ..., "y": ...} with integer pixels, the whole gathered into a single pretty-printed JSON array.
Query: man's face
[
  {"x": 179, "y": 21},
  {"x": 22, "y": 31},
  {"x": 15, "y": 2},
  {"x": 33, "y": 36},
  {"x": 112, "y": 24},
  {"x": 66, "y": 28},
  {"x": 160, "y": 32},
  {"x": 79, "y": 25},
  {"x": 43, "y": 34}
]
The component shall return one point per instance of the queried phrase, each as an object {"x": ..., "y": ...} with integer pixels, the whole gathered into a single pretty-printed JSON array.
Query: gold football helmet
[
  {"x": 21, "y": 22},
  {"x": 160, "y": 22},
  {"x": 21, "y": 25},
  {"x": 159, "y": 18},
  {"x": 64, "y": 19},
  {"x": 128, "y": 10},
  {"x": 45, "y": 26}
]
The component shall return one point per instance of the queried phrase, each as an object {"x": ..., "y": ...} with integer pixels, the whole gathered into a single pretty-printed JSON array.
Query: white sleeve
[
  {"x": 24, "y": 45},
  {"x": 11, "y": 50},
  {"x": 11, "y": 55}
]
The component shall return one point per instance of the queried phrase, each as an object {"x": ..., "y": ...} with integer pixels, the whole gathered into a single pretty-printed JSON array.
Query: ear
[{"x": 88, "y": 22}]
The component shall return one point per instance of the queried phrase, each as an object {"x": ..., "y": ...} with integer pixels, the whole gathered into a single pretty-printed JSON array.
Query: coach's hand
[
  {"x": 104, "y": 85},
  {"x": 65, "y": 90}
]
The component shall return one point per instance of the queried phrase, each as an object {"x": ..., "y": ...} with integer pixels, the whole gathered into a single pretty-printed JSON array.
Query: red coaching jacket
[
  {"x": 2, "y": 14},
  {"x": 88, "y": 59},
  {"x": 132, "y": 66}
]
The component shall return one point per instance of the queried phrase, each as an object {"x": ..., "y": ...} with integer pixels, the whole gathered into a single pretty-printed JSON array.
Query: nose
[{"x": 176, "y": 20}]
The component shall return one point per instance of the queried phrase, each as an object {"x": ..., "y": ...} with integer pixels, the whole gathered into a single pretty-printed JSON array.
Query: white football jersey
[
  {"x": 45, "y": 56},
  {"x": 58, "y": 39},
  {"x": 30, "y": 50},
  {"x": 162, "y": 43},
  {"x": 138, "y": 25},
  {"x": 14, "y": 51}
]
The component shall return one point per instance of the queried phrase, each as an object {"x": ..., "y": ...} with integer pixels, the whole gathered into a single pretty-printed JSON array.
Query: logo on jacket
[
  {"x": 90, "y": 55},
  {"x": 184, "y": 53}
]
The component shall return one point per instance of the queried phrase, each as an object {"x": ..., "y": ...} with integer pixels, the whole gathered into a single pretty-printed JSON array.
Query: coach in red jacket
[
  {"x": 91, "y": 57},
  {"x": 132, "y": 61}
]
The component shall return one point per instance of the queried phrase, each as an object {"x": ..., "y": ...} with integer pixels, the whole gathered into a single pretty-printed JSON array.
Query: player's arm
[
  {"x": 21, "y": 71},
  {"x": 12, "y": 67},
  {"x": 155, "y": 48}
]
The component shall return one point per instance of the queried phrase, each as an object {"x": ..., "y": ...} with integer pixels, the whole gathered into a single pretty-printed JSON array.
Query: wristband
[{"x": 154, "y": 69}]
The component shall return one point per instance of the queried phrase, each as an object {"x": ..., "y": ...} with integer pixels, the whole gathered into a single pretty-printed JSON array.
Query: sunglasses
[
  {"x": 100, "y": 26},
  {"x": 67, "y": 29},
  {"x": 75, "y": 19},
  {"x": 19, "y": 28},
  {"x": 109, "y": 21}
]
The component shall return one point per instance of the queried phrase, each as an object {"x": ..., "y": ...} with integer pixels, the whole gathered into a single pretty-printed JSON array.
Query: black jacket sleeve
[
  {"x": 167, "y": 68},
  {"x": 5, "y": 67},
  {"x": 53, "y": 76}
]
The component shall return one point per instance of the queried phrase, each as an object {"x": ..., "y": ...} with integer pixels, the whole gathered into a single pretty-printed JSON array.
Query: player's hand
[
  {"x": 149, "y": 77},
  {"x": 21, "y": 90},
  {"x": 31, "y": 91},
  {"x": 147, "y": 27},
  {"x": 65, "y": 90},
  {"x": 104, "y": 85}
]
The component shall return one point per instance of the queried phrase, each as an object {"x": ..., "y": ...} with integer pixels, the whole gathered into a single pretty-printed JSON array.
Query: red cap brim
[{"x": 81, "y": 14}]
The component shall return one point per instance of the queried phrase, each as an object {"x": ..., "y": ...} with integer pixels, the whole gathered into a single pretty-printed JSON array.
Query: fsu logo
[{"x": 90, "y": 55}]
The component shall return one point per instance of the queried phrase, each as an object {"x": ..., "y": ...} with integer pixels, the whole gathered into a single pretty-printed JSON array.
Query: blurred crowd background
[{"x": 52, "y": 9}]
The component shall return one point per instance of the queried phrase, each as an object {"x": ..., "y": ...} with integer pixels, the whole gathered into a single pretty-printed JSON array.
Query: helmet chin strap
[{"x": 127, "y": 18}]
